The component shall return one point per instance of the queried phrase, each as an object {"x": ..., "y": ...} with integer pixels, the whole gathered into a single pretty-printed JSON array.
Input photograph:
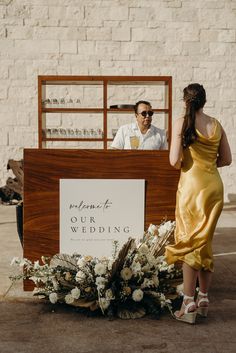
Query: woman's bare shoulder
[{"x": 211, "y": 119}]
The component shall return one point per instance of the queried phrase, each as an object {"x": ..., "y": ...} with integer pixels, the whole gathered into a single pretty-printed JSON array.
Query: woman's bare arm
[
  {"x": 176, "y": 149},
  {"x": 224, "y": 153}
]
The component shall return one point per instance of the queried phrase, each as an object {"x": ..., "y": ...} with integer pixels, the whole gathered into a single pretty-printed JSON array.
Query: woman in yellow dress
[{"x": 199, "y": 146}]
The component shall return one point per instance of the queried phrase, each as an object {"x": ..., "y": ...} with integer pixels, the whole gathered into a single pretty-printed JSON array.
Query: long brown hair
[{"x": 195, "y": 99}]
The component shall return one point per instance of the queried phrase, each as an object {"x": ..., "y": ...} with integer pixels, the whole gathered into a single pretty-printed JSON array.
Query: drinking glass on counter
[{"x": 134, "y": 142}]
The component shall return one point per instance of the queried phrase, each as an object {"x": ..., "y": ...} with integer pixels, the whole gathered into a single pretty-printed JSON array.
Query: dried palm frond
[
  {"x": 119, "y": 262},
  {"x": 158, "y": 248},
  {"x": 64, "y": 260}
]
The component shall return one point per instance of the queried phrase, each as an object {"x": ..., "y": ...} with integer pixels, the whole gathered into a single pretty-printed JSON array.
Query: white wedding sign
[{"x": 96, "y": 212}]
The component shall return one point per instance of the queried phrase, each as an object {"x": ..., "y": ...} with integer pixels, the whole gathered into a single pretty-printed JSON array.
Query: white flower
[
  {"x": 44, "y": 279},
  {"x": 104, "y": 303},
  {"x": 24, "y": 262},
  {"x": 75, "y": 293},
  {"x": 162, "y": 300},
  {"x": 81, "y": 262},
  {"x": 152, "y": 229},
  {"x": 100, "y": 281},
  {"x": 110, "y": 263},
  {"x": 80, "y": 276},
  {"x": 180, "y": 289},
  {"x": 151, "y": 260},
  {"x": 147, "y": 283},
  {"x": 164, "y": 228},
  {"x": 100, "y": 269},
  {"x": 53, "y": 298},
  {"x": 36, "y": 265},
  {"x": 137, "y": 295},
  {"x": 135, "y": 267},
  {"x": 126, "y": 273},
  {"x": 143, "y": 249},
  {"x": 69, "y": 299},
  {"x": 109, "y": 294}
]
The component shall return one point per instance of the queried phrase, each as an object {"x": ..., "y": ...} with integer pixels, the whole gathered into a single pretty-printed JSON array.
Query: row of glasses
[
  {"x": 69, "y": 132},
  {"x": 61, "y": 102}
]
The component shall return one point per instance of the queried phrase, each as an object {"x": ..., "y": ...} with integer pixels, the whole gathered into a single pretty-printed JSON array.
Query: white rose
[
  {"x": 126, "y": 273},
  {"x": 152, "y": 229},
  {"x": 75, "y": 292},
  {"x": 100, "y": 269},
  {"x": 69, "y": 299},
  {"x": 53, "y": 298},
  {"x": 137, "y": 295},
  {"x": 104, "y": 303},
  {"x": 80, "y": 276}
]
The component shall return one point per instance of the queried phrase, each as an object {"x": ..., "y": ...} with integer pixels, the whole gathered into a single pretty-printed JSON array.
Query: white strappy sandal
[
  {"x": 202, "y": 310},
  {"x": 188, "y": 316}
]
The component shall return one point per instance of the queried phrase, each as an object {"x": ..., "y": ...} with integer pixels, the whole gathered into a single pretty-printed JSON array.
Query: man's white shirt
[{"x": 154, "y": 139}]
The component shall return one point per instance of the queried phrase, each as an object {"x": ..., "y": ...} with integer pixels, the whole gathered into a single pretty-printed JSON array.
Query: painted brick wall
[{"x": 193, "y": 41}]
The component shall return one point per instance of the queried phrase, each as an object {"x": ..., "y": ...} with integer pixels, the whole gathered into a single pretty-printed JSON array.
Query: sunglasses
[{"x": 149, "y": 113}]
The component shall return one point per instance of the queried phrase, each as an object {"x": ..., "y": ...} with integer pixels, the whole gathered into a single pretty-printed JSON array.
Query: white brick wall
[{"x": 194, "y": 41}]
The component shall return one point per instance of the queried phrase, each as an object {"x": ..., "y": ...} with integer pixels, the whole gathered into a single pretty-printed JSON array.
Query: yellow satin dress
[{"x": 199, "y": 202}]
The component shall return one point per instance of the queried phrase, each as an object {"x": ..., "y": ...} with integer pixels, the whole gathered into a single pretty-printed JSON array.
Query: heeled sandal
[
  {"x": 188, "y": 316},
  {"x": 202, "y": 310}
]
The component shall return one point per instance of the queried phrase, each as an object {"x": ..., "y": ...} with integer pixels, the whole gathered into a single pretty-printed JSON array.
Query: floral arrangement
[{"x": 134, "y": 282}]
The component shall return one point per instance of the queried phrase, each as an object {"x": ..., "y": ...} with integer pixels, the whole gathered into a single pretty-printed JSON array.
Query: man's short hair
[{"x": 140, "y": 102}]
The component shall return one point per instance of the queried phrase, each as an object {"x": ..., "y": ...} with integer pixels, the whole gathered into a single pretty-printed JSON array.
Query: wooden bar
[{"x": 43, "y": 168}]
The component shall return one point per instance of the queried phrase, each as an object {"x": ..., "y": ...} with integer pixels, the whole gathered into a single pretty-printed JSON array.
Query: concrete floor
[{"x": 28, "y": 325}]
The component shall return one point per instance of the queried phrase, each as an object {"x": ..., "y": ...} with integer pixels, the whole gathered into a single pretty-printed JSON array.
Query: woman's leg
[
  {"x": 204, "y": 278},
  {"x": 190, "y": 278}
]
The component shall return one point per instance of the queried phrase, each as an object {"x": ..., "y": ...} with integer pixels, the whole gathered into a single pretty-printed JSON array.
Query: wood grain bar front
[{"x": 43, "y": 169}]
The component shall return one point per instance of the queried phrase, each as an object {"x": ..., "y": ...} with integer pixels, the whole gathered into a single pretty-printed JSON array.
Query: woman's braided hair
[{"x": 195, "y": 99}]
